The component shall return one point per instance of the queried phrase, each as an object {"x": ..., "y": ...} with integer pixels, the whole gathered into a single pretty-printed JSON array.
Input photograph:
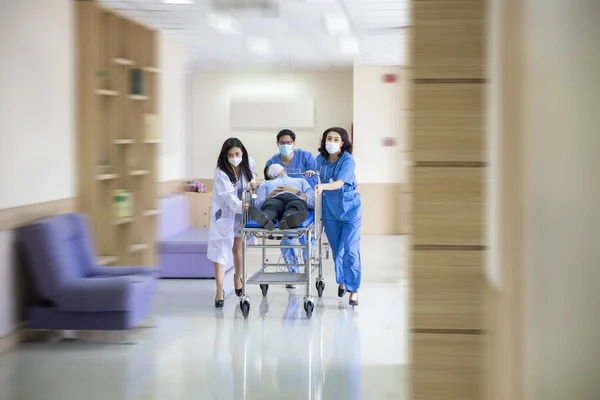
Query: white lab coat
[{"x": 226, "y": 206}]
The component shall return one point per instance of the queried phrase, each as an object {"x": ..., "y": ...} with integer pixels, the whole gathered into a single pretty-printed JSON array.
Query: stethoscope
[{"x": 335, "y": 165}]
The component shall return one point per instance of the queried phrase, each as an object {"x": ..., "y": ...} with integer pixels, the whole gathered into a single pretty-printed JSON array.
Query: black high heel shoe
[
  {"x": 353, "y": 302},
  {"x": 238, "y": 292},
  {"x": 341, "y": 291},
  {"x": 220, "y": 303}
]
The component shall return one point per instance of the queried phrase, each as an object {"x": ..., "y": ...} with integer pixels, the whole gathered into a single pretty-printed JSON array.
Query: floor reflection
[{"x": 196, "y": 352}]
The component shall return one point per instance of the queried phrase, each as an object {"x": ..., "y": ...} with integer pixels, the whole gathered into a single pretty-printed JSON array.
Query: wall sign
[{"x": 390, "y": 78}]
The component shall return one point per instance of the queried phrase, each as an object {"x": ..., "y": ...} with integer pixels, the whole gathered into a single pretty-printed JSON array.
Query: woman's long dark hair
[
  {"x": 347, "y": 146},
  {"x": 224, "y": 165}
]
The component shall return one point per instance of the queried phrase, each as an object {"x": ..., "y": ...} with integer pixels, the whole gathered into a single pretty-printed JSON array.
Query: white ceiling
[{"x": 296, "y": 36}]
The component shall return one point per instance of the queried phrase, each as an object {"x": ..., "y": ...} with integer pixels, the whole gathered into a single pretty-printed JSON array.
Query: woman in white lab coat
[{"x": 234, "y": 174}]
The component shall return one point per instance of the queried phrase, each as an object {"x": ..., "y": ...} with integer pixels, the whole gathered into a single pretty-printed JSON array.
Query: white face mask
[
  {"x": 235, "y": 161},
  {"x": 332, "y": 147}
]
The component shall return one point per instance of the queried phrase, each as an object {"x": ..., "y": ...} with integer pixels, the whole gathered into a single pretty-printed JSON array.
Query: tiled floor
[{"x": 198, "y": 353}]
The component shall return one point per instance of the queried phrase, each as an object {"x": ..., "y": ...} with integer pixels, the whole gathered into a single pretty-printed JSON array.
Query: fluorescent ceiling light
[
  {"x": 260, "y": 46},
  {"x": 223, "y": 24},
  {"x": 336, "y": 24},
  {"x": 349, "y": 46},
  {"x": 178, "y": 1}
]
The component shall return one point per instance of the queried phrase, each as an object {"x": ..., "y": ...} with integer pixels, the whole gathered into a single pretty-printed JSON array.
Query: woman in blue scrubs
[{"x": 342, "y": 208}]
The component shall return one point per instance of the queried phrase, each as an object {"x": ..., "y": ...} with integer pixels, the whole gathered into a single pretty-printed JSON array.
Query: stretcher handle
[{"x": 248, "y": 198}]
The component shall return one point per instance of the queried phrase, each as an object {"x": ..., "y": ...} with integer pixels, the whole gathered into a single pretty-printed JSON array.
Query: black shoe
[
  {"x": 353, "y": 302},
  {"x": 341, "y": 291},
  {"x": 291, "y": 286},
  {"x": 261, "y": 218},
  {"x": 238, "y": 292},
  {"x": 220, "y": 303},
  {"x": 293, "y": 220}
]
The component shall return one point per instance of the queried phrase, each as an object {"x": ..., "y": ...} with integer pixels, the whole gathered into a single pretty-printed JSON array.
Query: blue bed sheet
[{"x": 309, "y": 220}]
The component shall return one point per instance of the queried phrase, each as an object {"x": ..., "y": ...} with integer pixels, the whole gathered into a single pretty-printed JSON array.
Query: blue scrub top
[
  {"x": 303, "y": 161},
  {"x": 345, "y": 203}
]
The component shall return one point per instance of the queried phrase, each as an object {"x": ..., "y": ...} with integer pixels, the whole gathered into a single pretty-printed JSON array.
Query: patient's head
[
  {"x": 267, "y": 177},
  {"x": 273, "y": 171}
]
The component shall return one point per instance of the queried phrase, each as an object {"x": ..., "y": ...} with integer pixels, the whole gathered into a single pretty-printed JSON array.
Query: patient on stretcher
[{"x": 282, "y": 200}]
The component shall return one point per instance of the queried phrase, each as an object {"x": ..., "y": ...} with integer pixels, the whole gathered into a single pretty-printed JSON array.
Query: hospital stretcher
[{"x": 277, "y": 273}]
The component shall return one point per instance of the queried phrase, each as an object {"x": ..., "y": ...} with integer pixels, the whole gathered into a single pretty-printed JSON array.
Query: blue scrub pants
[
  {"x": 292, "y": 256},
  {"x": 344, "y": 239}
]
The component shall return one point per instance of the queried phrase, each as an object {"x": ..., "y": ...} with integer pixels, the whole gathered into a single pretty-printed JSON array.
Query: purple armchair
[{"x": 71, "y": 291}]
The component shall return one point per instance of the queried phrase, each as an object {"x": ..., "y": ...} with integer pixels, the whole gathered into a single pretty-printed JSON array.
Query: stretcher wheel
[
  {"x": 245, "y": 306},
  {"x": 309, "y": 307},
  {"x": 265, "y": 289},
  {"x": 320, "y": 288}
]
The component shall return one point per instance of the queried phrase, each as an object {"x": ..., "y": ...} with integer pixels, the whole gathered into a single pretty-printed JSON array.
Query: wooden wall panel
[
  {"x": 407, "y": 142},
  {"x": 448, "y": 122},
  {"x": 449, "y": 185},
  {"x": 446, "y": 366},
  {"x": 447, "y": 178},
  {"x": 448, "y": 9},
  {"x": 447, "y": 289},
  {"x": 12, "y": 218},
  {"x": 447, "y": 39},
  {"x": 200, "y": 208},
  {"x": 404, "y": 208},
  {"x": 169, "y": 187},
  {"x": 441, "y": 225},
  {"x": 448, "y": 206}
]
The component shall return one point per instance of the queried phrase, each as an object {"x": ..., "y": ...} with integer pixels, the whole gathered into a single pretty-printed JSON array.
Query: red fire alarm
[{"x": 390, "y": 78}]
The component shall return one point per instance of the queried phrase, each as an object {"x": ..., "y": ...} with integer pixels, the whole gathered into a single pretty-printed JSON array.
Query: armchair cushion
[
  {"x": 106, "y": 272},
  {"x": 119, "y": 293}
]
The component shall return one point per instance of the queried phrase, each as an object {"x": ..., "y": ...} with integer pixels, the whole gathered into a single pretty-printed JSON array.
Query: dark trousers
[{"x": 279, "y": 207}]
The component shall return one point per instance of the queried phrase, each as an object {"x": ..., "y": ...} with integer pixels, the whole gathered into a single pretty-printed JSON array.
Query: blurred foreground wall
[{"x": 544, "y": 138}]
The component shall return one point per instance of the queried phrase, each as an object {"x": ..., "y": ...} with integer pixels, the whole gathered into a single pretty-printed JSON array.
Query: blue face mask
[{"x": 286, "y": 149}]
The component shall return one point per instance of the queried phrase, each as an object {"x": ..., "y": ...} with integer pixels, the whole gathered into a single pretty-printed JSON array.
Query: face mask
[
  {"x": 285, "y": 149},
  {"x": 235, "y": 161},
  {"x": 332, "y": 147}
]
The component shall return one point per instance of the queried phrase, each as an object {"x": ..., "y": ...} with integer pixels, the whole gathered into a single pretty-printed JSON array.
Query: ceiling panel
[{"x": 297, "y": 36}]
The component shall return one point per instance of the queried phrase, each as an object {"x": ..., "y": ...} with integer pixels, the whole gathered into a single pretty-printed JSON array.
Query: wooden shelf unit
[{"x": 111, "y": 131}]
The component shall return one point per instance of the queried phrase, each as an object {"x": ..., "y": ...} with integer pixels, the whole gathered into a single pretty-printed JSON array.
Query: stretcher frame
[{"x": 268, "y": 274}]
